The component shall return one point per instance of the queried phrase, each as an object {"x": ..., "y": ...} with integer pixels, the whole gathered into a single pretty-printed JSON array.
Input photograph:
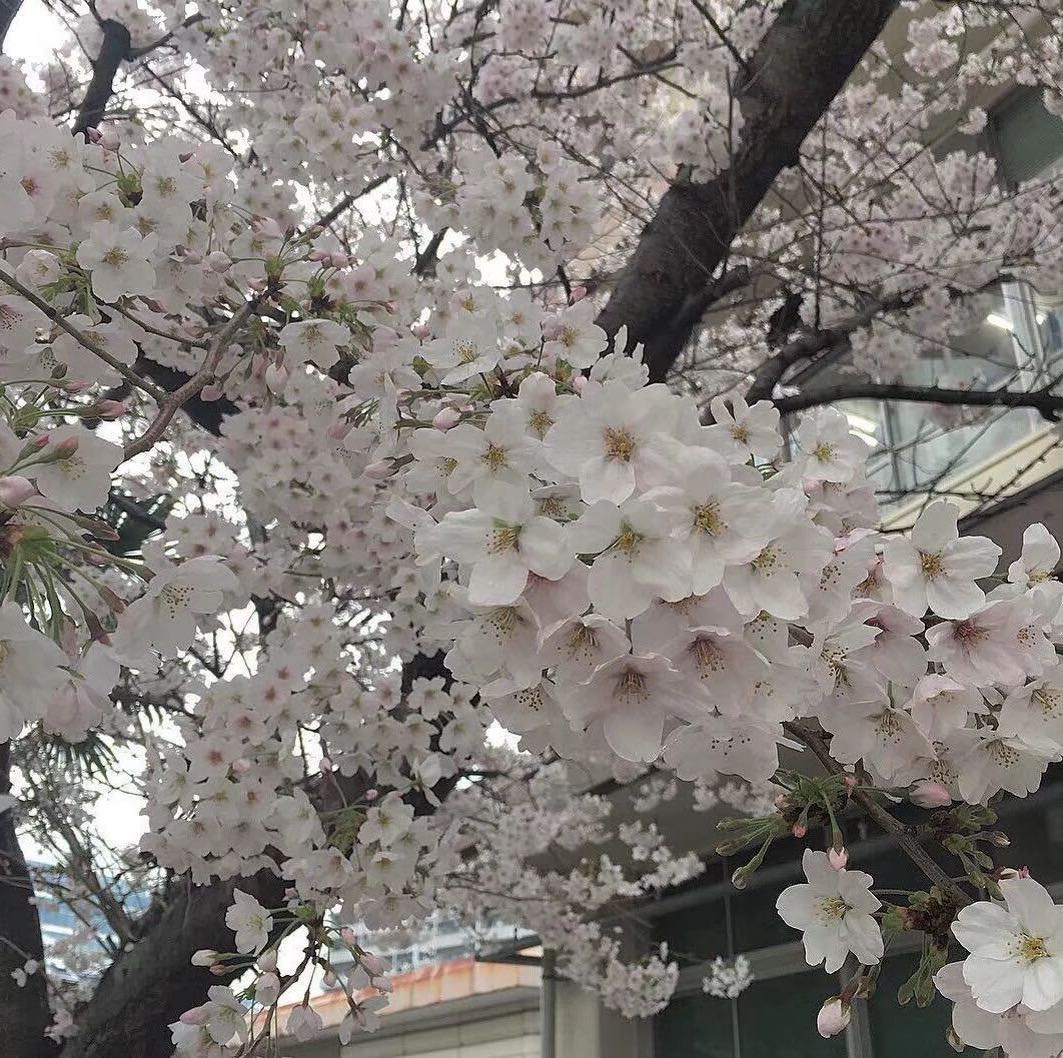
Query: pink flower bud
[
  {"x": 276, "y": 378},
  {"x": 928, "y": 794},
  {"x": 379, "y": 470},
  {"x": 219, "y": 969},
  {"x": 578, "y": 294},
  {"x": 268, "y": 959},
  {"x": 14, "y": 491},
  {"x": 372, "y": 794},
  {"x": 419, "y": 330},
  {"x": 267, "y": 988},
  {"x": 838, "y": 858},
  {"x": 446, "y": 419},
  {"x": 850, "y": 782},
  {"x": 579, "y": 383},
  {"x": 110, "y": 409},
  {"x": 372, "y": 965},
  {"x": 218, "y": 262},
  {"x": 41, "y": 440},
  {"x": 75, "y": 385},
  {"x": 204, "y": 957},
  {"x": 1015, "y": 872},
  {"x": 339, "y": 260},
  {"x": 833, "y": 1017},
  {"x": 66, "y": 447},
  {"x": 799, "y": 830},
  {"x": 330, "y": 980},
  {"x": 109, "y": 139},
  {"x": 195, "y": 1016},
  {"x": 211, "y": 392}
]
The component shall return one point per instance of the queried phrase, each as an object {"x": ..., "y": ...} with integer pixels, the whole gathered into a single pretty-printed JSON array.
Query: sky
[{"x": 33, "y": 34}]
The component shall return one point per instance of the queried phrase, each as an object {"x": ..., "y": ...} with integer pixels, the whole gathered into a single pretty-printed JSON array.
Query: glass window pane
[
  {"x": 1029, "y": 138},
  {"x": 777, "y": 1018},
  {"x": 902, "y": 1032},
  {"x": 696, "y": 1026},
  {"x": 695, "y": 934}
]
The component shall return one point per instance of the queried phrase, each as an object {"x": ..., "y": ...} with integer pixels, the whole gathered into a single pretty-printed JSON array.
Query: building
[{"x": 457, "y": 1008}]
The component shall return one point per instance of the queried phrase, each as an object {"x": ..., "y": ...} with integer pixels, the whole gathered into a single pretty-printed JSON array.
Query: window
[
  {"x": 1018, "y": 344},
  {"x": 775, "y": 1016}
]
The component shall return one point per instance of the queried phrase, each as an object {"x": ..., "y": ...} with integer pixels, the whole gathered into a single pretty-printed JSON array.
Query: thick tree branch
[
  {"x": 114, "y": 50},
  {"x": 8, "y": 11},
  {"x": 801, "y": 64},
  {"x": 24, "y": 1012},
  {"x": 153, "y": 982},
  {"x": 1049, "y": 404}
]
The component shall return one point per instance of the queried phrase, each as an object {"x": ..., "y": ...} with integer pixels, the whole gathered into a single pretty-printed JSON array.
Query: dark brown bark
[
  {"x": 8, "y": 11},
  {"x": 24, "y": 1012},
  {"x": 1044, "y": 401},
  {"x": 151, "y": 984},
  {"x": 800, "y": 65},
  {"x": 113, "y": 52}
]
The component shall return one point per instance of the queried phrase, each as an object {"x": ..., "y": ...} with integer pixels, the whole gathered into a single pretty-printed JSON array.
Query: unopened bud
[
  {"x": 276, "y": 378},
  {"x": 110, "y": 409},
  {"x": 268, "y": 959},
  {"x": 329, "y": 979},
  {"x": 108, "y": 138},
  {"x": 833, "y": 1018},
  {"x": 66, "y": 447},
  {"x": 339, "y": 260},
  {"x": 446, "y": 419},
  {"x": 204, "y": 957},
  {"x": 372, "y": 965},
  {"x": 740, "y": 878},
  {"x": 578, "y": 294},
  {"x": 579, "y": 383},
  {"x": 799, "y": 830},
  {"x": 1014, "y": 872},
  {"x": 14, "y": 491},
  {"x": 838, "y": 858},
  {"x": 219, "y": 969},
  {"x": 379, "y": 470},
  {"x": 372, "y": 794},
  {"x": 999, "y": 839},
  {"x": 75, "y": 385},
  {"x": 267, "y": 988},
  {"x": 925, "y": 793},
  {"x": 419, "y": 330},
  {"x": 195, "y": 1016},
  {"x": 211, "y": 392},
  {"x": 218, "y": 262}
]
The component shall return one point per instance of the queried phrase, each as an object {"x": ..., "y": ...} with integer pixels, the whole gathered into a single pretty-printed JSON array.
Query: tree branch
[
  {"x": 800, "y": 65},
  {"x": 24, "y": 1012},
  {"x": 1049, "y": 404},
  {"x": 114, "y": 50},
  {"x": 8, "y": 11},
  {"x": 911, "y": 848}
]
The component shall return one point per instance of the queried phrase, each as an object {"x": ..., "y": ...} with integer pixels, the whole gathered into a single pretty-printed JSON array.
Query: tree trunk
[
  {"x": 24, "y": 1012},
  {"x": 800, "y": 65}
]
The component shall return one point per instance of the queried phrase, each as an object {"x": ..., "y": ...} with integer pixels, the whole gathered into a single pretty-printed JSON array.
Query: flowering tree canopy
[{"x": 377, "y": 374}]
